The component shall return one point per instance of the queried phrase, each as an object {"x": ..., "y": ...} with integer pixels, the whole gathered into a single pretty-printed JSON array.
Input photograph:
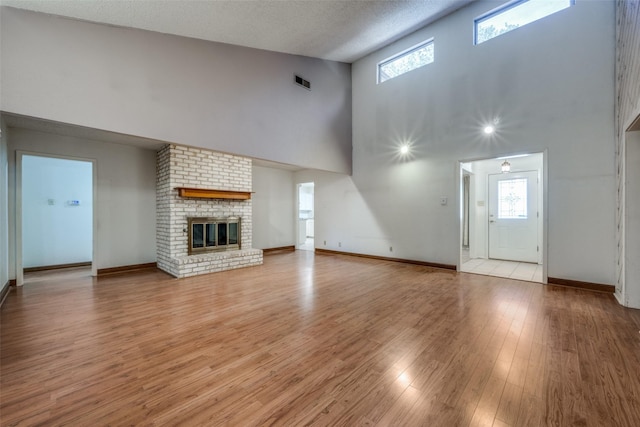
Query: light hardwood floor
[{"x": 317, "y": 340}]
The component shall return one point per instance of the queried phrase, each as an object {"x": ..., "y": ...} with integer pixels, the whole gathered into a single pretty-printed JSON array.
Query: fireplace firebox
[{"x": 213, "y": 234}]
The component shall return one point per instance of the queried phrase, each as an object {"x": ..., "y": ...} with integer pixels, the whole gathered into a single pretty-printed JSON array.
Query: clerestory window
[
  {"x": 513, "y": 15},
  {"x": 403, "y": 62}
]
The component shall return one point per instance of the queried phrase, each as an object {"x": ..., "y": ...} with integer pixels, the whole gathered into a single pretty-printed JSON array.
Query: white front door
[{"x": 513, "y": 216}]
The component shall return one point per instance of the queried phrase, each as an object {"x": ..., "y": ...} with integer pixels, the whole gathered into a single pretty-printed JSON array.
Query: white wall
[
  {"x": 55, "y": 231},
  {"x": 550, "y": 83},
  {"x": 126, "y": 194},
  {"x": 273, "y": 208},
  {"x": 4, "y": 207},
  {"x": 346, "y": 220},
  {"x": 175, "y": 89}
]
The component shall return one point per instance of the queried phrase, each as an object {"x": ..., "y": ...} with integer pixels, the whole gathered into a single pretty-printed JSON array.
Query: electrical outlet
[
  {"x": 339, "y": 244},
  {"x": 325, "y": 243},
  {"x": 443, "y": 201},
  {"x": 390, "y": 248}
]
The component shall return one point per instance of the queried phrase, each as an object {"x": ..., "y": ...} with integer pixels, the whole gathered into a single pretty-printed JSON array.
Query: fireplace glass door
[
  {"x": 213, "y": 234},
  {"x": 197, "y": 235},
  {"x": 233, "y": 233},
  {"x": 222, "y": 233}
]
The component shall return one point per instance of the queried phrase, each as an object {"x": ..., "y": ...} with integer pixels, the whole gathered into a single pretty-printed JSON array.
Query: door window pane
[{"x": 512, "y": 198}]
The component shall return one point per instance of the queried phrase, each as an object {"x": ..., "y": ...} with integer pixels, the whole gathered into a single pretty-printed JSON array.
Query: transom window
[
  {"x": 512, "y": 198},
  {"x": 410, "y": 59},
  {"x": 513, "y": 15}
]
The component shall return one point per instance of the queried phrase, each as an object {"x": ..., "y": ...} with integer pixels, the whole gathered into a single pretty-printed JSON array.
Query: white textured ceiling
[{"x": 338, "y": 30}]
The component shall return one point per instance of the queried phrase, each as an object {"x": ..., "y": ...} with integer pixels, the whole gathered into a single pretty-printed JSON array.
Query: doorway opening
[
  {"x": 305, "y": 231},
  {"x": 55, "y": 221},
  {"x": 628, "y": 218},
  {"x": 502, "y": 227}
]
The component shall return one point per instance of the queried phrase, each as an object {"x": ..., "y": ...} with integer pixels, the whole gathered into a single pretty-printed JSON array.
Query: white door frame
[
  {"x": 545, "y": 204},
  {"x": 629, "y": 248},
  {"x": 19, "y": 155},
  {"x": 297, "y": 213}
]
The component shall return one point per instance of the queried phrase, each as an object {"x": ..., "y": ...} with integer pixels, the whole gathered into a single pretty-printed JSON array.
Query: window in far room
[
  {"x": 513, "y": 15},
  {"x": 406, "y": 61}
]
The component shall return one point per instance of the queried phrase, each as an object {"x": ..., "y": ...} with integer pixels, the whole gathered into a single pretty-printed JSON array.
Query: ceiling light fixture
[
  {"x": 489, "y": 129},
  {"x": 506, "y": 167},
  {"x": 404, "y": 149}
]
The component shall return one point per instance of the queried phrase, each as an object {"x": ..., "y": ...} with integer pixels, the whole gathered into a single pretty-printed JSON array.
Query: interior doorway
[
  {"x": 628, "y": 286},
  {"x": 55, "y": 218},
  {"x": 305, "y": 231},
  {"x": 502, "y": 227}
]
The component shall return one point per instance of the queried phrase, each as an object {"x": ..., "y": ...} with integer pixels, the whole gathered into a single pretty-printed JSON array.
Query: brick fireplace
[{"x": 186, "y": 167}]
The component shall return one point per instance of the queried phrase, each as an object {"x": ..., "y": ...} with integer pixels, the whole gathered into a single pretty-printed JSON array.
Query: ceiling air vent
[{"x": 304, "y": 83}]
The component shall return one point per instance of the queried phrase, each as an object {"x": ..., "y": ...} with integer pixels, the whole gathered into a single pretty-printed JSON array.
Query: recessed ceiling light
[
  {"x": 404, "y": 149},
  {"x": 489, "y": 129}
]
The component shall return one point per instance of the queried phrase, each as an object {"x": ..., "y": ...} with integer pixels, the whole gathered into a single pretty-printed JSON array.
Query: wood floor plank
[
  {"x": 530, "y": 411},
  {"x": 401, "y": 409},
  {"x": 485, "y": 413},
  {"x": 509, "y": 407},
  {"x": 305, "y": 340}
]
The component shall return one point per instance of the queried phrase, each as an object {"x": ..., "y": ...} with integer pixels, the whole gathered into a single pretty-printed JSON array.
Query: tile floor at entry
[
  {"x": 308, "y": 245},
  {"x": 499, "y": 268}
]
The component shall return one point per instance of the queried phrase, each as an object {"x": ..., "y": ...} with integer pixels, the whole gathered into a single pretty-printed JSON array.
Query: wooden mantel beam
[{"x": 202, "y": 193}]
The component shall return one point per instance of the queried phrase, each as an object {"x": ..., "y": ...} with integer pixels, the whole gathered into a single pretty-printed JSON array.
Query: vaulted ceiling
[{"x": 338, "y": 30}]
